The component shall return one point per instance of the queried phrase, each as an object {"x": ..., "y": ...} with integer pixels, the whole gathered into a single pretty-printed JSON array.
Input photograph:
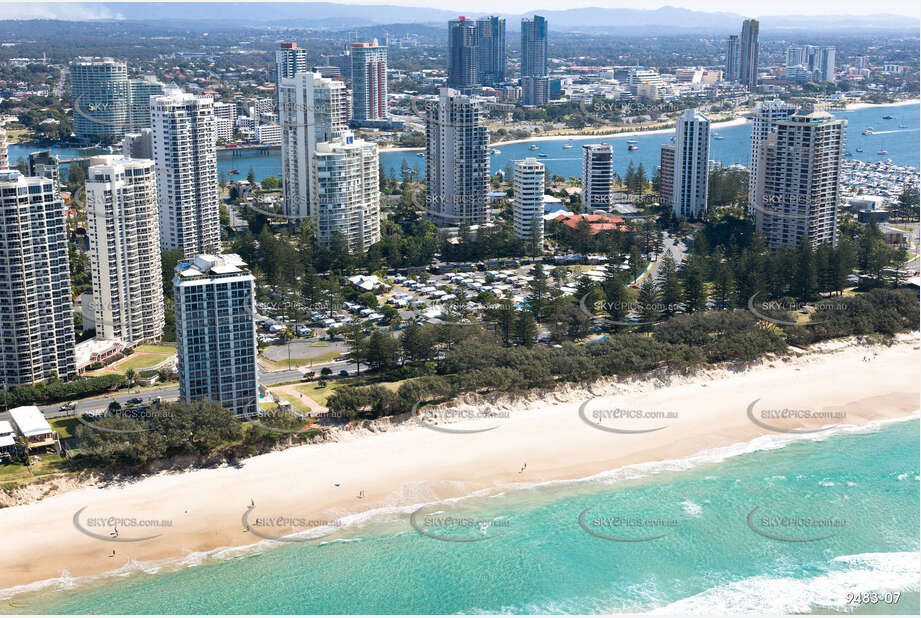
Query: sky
[{"x": 773, "y": 7}]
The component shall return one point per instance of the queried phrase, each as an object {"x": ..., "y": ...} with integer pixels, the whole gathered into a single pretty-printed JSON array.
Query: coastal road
[{"x": 166, "y": 393}]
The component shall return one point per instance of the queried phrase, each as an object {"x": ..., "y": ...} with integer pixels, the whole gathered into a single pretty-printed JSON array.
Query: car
[
  {"x": 134, "y": 401},
  {"x": 344, "y": 373},
  {"x": 67, "y": 407}
]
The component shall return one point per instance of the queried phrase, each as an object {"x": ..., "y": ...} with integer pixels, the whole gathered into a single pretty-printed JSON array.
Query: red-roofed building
[{"x": 597, "y": 223}]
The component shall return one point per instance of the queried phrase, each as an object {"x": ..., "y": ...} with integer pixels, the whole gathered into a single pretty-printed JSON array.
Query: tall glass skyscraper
[
  {"x": 491, "y": 55},
  {"x": 463, "y": 53},
  {"x": 748, "y": 54},
  {"x": 534, "y": 47}
]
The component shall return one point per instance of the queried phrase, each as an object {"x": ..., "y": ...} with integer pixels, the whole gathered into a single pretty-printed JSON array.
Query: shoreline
[
  {"x": 716, "y": 125},
  {"x": 205, "y": 506}
]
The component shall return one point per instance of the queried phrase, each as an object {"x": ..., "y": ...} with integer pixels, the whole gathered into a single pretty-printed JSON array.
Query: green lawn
[
  {"x": 140, "y": 361},
  {"x": 17, "y": 473},
  {"x": 65, "y": 426},
  {"x": 320, "y": 395},
  {"x": 325, "y": 357}
]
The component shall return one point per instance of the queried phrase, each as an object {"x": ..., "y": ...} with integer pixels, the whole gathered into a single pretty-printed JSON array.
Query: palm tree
[
  {"x": 287, "y": 335},
  {"x": 132, "y": 376}
]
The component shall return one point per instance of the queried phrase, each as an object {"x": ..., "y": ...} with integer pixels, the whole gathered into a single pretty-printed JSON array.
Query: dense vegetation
[
  {"x": 473, "y": 359},
  {"x": 178, "y": 429}
]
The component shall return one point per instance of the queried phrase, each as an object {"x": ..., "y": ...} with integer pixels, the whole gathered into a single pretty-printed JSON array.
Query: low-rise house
[
  {"x": 30, "y": 423},
  {"x": 7, "y": 441}
]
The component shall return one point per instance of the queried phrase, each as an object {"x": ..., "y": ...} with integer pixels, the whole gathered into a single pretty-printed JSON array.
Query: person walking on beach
[{"x": 112, "y": 555}]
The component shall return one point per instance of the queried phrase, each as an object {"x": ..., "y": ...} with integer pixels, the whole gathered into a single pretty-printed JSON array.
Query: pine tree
[
  {"x": 668, "y": 284},
  {"x": 648, "y": 302}
]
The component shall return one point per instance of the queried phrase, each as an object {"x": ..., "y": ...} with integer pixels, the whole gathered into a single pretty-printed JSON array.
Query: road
[
  {"x": 669, "y": 245},
  {"x": 166, "y": 393}
]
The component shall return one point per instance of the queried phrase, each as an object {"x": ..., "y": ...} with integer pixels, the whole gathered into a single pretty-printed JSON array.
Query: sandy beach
[{"x": 415, "y": 465}]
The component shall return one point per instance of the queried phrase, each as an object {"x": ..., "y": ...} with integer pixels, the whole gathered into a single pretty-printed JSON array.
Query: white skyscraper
[
  {"x": 765, "y": 118},
  {"x": 289, "y": 61},
  {"x": 528, "y": 204},
  {"x": 311, "y": 110},
  {"x": 4, "y": 157},
  {"x": 347, "y": 197},
  {"x": 597, "y": 173},
  {"x": 457, "y": 161},
  {"x": 183, "y": 130},
  {"x": 124, "y": 233},
  {"x": 692, "y": 153},
  {"x": 215, "y": 332},
  {"x": 36, "y": 312},
  {"x": 799, "y": 170}
]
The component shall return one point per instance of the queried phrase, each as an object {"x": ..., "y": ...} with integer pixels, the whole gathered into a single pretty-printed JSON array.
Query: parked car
[{"x": 134, "y": 401}]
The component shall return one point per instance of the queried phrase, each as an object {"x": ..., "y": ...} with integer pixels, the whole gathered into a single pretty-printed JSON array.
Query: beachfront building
[
  {"x": 528, "y": 204},
  {"x": 597, "y": 172},
  {"x": 369, "y": 83},
  {"x": 463, "y": 53},
  {"x": 4, "y": 154},
  {"x": 100, "y": 98},
  {"x": 799, "y": 170},
  {"x": 37, "y": 338},
  {"x": 347, "y": 195},
  {"x": 456, "y": 160},
  {"x": 491, "y": 50},
  {"x": 35, "y": 431},
  {"x": 183, "y": 137},
  {"x": 764, "y": 120},
  {"x": 124, "y": 232},
  {"x": 311, "y": 109},
  {"x": 215, "y": 332},
  {"x": 692, "y": 154},
  {"x": 666, "y": 175}
]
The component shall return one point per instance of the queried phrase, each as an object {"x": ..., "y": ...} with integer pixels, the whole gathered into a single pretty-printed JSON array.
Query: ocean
[
  {"x": 901, "y": 143},
  {"x": 782, "y": 524}
]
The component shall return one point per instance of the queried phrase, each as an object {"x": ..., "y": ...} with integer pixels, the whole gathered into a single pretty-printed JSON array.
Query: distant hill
[{"x": 328, "y": 15}]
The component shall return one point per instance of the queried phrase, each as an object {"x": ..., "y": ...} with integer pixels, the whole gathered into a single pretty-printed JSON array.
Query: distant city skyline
[
  {"x": 83, "y": 9},
  {"x": 781, "y": 7}
]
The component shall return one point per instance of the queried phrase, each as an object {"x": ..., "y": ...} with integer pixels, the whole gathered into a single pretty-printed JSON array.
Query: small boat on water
[
  {"x": 495, "y": 151},
  {"x": 232, "y": 172},
  {"x": 420, "y": 154},
  {"x": 868, "y": 131},
  {"x": 888, "y": 117},
  {"x": 533, "y": 146},
  {"x": 633, "y": 147},
  {"x": 718, "y": 137},
  {"x": 543, "y": 155},
  {"x": 567, "y": 146},
  {"x": 859, "y": 149},
  {"x": 883, "y": 152}
]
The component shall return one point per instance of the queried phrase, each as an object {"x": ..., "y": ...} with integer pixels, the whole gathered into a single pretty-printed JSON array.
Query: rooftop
[{"x": 30, "y": 421}]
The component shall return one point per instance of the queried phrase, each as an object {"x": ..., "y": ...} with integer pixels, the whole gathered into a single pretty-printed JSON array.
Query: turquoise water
[
  {"x": 535, "y": 557},
  {"x": 902, "y": 145}
]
